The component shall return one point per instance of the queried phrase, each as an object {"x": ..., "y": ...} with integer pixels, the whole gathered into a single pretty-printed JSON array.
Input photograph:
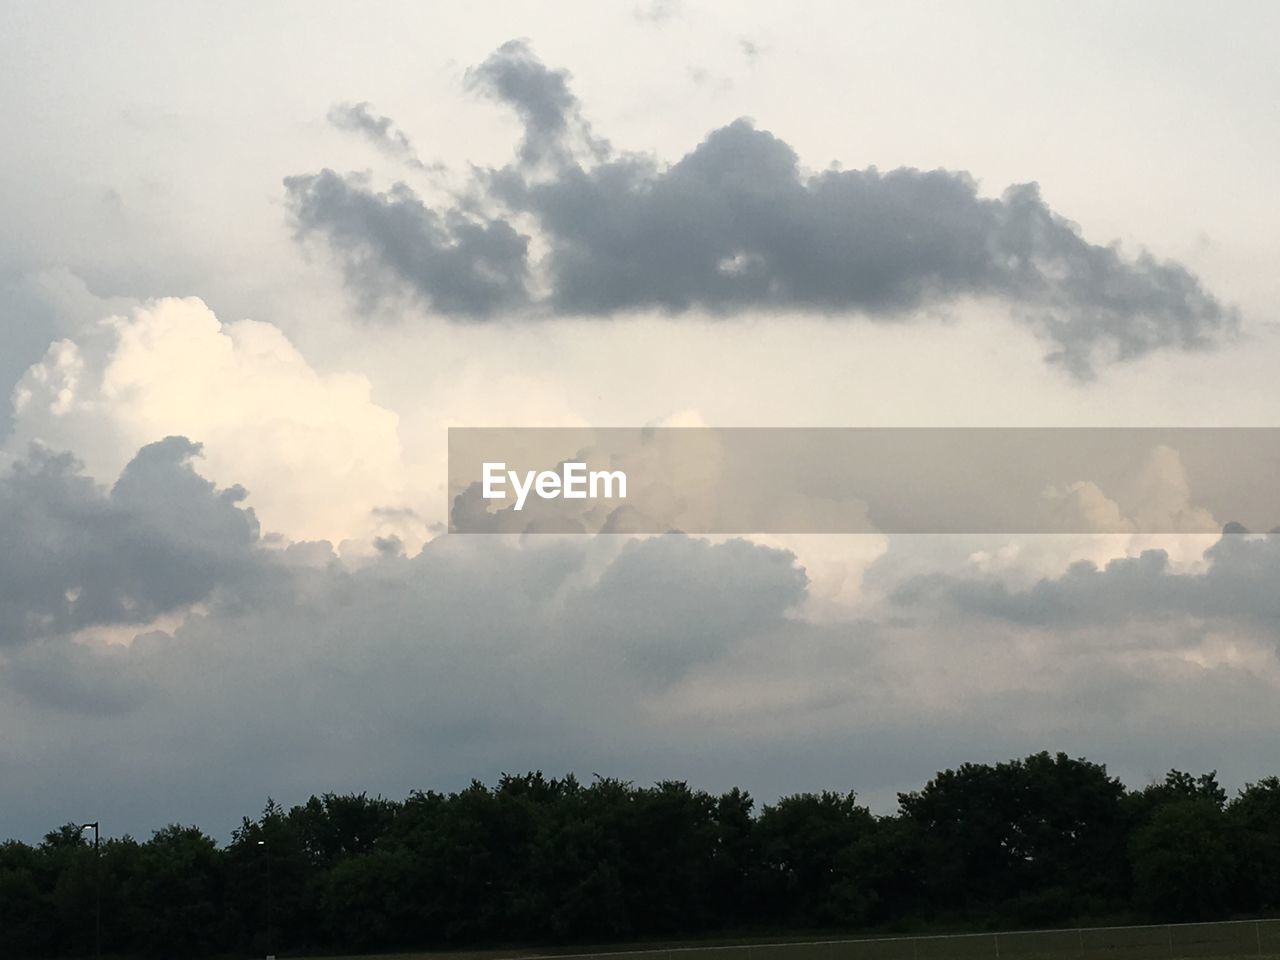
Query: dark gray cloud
[
  {"x": 461, "y": 264},
  {"x": 53, "y": 674},
  {"x": 75, "y": 555},
  {"x": 675, "y": 601},
  {"x": 378, "y": 130},
  {"x": 548, "y": 110},
  {"x": 484, "y": 652},
  {"x": 736, "y": 224},
  {"x": 671, "y": 657},
  {"x": 1238, "y": 584}
]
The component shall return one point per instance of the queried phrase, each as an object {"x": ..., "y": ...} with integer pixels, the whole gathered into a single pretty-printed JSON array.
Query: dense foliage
[{"x": 1044, "y": 840}]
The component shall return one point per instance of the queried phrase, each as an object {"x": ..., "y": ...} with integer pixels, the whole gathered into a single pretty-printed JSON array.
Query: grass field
[{"x": 1190, "y": 941}]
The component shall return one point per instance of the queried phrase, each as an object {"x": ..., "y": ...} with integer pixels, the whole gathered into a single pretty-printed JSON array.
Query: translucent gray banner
[{"x": 862, "y": 480}]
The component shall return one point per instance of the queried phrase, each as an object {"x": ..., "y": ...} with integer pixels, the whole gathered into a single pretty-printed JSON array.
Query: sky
[{"x": 255, "y": 260}]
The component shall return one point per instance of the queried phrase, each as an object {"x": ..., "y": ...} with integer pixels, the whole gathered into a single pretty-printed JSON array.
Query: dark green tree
[{"x": 1182, "y": 861}]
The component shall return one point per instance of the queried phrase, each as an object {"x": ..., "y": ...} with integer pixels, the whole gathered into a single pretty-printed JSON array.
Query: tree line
[{"x": 535, "y": 860}]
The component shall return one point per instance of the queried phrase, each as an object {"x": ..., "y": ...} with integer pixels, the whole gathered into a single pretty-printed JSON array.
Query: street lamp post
[
  {"x": 267, "y": 853},
  {"x": 97, "y": 888}
]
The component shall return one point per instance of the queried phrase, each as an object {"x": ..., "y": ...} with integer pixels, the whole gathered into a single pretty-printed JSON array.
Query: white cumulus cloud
[{"x": 320, "y": 459}]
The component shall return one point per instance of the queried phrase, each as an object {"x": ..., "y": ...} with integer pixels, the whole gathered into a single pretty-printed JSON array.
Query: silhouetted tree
[{"x": 535, "y": 859}]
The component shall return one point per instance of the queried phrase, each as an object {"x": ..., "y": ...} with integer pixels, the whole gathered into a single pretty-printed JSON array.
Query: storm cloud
[
  {"x": 548, "y": 109},
  {"x": 463, "y": 265},
  {"x": 648, "y": 659},
  {"x": 738, "y": 225},
  {"x": 1236, "y": 584},
  {"x": 676, "y": 601},
  {"x": 475, "y": 651},
  {"x": 75, "y": 555}
]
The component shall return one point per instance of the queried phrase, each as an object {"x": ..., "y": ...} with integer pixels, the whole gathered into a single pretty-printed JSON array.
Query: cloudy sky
[{"x": 255, "y": 260}]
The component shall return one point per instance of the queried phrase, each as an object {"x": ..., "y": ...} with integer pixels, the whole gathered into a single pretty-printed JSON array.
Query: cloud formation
[
  {"x": 1235, "y": 585},
  {"x": 378, "y": 130},
  {"x": 76, "y": 556},
  {"x": 665, "y": 654},
  {"x": 737, "y": 225},
  {"x": 548, "y": 109},
  {"x": 481, "y": 651},
  {"x": 667, "y": 657},
  {"x": 464, "y": 265},
  {"x": 318, "y": 456},
  {"x": 675, "y": 601}
]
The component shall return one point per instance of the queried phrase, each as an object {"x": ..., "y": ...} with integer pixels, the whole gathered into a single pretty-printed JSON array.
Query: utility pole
[
  {"x": 97, "y": 888},
  {"x": 267, "y": 853}
]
